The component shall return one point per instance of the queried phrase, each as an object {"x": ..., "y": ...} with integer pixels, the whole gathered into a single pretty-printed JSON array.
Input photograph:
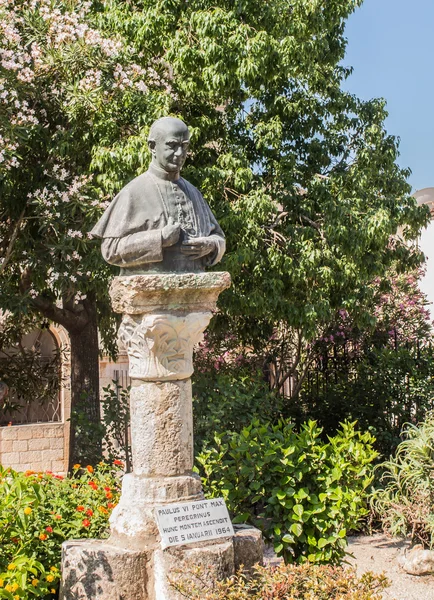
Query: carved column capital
[
  {"x": 164, "y": 317},
  {"x": 160, "y": 346}
]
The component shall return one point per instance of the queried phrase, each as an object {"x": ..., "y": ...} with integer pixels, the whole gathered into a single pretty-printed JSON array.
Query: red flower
[
  {"x": 93, "y": 485},
  {"x": 80, "y": 508},
  {"x": 118, "y": 463},
  {"x": 89, "y": 512},
  {"x": 107, "y": 489},
  {"x": 86, "y": 522},
  {"x": 110, "y": 505},
  {"x": 49, "y": 529}
]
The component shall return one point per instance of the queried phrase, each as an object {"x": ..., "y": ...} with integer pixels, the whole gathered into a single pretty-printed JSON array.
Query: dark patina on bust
[{"x": 160, "y": 222}]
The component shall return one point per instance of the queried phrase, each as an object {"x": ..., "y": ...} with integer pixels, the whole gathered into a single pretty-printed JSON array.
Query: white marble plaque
[{"x": 191, "y": 522}]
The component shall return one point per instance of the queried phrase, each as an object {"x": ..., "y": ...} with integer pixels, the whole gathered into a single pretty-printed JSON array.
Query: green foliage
[
  {"x": 228, "y": 399},
  {"x": 38, "y": 512},
  {"x": 292, "y": 582},
  {"x": 382, "y": 388},
  {"x": 301, "y": 174},
  {"x": 115, "y": 420},
  {"x": 110, "y": 435},
  {"x": 303, "y": 493},
  {"x": 405, "y": 502}
]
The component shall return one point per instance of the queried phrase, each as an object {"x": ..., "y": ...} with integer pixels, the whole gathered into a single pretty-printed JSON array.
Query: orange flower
[
  {"x": 86, "y": 522},
  {"x": 89, "y": 468},
  {"x": 43, "y": 537},
  {"x": 58, "y": 517},
  {"x": 80, "y": 508},
  {"x": 76, "y": 466},
  {"x": 102, "y": 510},
  {"x": 109, "y": 495}
]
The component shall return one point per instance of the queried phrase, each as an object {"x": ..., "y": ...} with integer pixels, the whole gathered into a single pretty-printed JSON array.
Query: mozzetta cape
[{"x": 142, "y": 208}]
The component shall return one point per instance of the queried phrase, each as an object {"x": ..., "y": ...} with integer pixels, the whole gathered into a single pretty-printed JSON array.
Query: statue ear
[{"x": 151, "y": 145}]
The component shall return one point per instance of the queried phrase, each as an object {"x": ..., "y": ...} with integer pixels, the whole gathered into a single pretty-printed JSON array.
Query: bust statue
[{"x": 160, "y": 222}]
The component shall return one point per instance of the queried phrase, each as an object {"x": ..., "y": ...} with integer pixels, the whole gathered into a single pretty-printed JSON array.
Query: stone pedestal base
[
  {"x": 99, "y": 570},
  {"x": 132, "y": 522}
]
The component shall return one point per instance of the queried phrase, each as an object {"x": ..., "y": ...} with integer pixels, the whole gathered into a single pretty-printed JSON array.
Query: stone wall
[{"x": 38, "y": 447}]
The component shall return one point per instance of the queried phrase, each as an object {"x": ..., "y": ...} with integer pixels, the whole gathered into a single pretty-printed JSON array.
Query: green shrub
[
  {"x": 405, "y": 505},
  {"x": 228, "y": 399},
  {"x": 39, "y": 511},
  {"x": 382, "y": 389},
  {"x": 285, "y": 582},
  {"x": 303, "y": 493}
]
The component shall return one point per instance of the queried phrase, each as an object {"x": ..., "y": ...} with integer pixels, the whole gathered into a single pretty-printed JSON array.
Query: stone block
[
  {"x": 6, "y": 446},
  {"x": 39, "y": 433},
  {"x": 58, "y": 431},
  {"x": 39, "y": 444},
  {"x": 32, "y": 457},
  {"x": 96, "y": 570},
  {"x": 58, "y": 466},
  {"x": 25, "y": 432},
  {"x": 174, "y": 565},
  {"x": 50, "y": 455},
  {"x": 56, "y": 443},
  {"x": 248, "y": 547},
  {"x": 20, "y": 445},
  {"x": 10, "y": 458},
  {"x": 9, "y": 433}
]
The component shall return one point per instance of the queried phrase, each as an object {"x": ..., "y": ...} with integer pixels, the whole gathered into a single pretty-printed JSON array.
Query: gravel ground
[{"x": 378, "y": 553}]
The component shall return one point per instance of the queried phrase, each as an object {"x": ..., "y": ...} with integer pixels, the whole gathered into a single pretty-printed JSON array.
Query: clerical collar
[{"x": 161, "y": 174}]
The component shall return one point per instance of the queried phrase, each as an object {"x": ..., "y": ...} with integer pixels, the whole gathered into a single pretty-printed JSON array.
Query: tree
[{"x": 301, "y": 175}]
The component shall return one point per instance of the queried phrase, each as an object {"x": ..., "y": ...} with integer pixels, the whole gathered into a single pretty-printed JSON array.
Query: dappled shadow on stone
[{"x": 96, "y": 570}]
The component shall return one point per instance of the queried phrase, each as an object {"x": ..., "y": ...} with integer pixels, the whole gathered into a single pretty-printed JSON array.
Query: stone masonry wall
[{"x": 36, "y": 447}]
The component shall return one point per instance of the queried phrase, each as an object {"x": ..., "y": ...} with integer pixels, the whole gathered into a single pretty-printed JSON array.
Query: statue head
[{"x": 168, "y": 141}]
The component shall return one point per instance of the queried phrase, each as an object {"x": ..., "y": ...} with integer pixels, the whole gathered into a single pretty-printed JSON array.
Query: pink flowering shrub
[{"x": 63, "y": 80}]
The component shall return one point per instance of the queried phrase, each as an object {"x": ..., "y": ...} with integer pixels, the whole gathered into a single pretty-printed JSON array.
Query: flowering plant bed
[
  {"x": 285, "y": 582},
  {"x": 39, "y": 511}
]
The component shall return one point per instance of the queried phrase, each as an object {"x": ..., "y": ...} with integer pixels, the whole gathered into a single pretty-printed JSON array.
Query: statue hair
[{"x": 158, "y": 127}]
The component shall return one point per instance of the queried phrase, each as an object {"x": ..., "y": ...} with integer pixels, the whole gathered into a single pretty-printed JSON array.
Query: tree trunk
[{"x": 86, "y": 429}]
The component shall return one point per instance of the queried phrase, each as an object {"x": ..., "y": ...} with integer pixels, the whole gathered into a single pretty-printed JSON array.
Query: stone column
[{"x": 164, "y": 317}]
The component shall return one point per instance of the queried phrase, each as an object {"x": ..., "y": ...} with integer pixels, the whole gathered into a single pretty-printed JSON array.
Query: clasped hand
[
  {"x": 197, "y": 247},
  {"x": 194, "y": 247}
]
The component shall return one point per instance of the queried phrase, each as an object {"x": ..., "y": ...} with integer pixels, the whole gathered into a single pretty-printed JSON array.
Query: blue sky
[{"x": 391, "y": 47}]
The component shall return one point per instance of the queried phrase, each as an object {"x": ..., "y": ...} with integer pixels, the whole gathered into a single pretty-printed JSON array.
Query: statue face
[{"x": 170, "y": 147}]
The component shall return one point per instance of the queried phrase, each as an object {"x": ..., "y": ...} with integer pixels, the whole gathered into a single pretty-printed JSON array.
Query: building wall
[
  {"x": 45, "y": 446},
  {"x": 38, "y": 447},
  {"x": 42, "y": 446},
  {"x": 426, "y": 244}
]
